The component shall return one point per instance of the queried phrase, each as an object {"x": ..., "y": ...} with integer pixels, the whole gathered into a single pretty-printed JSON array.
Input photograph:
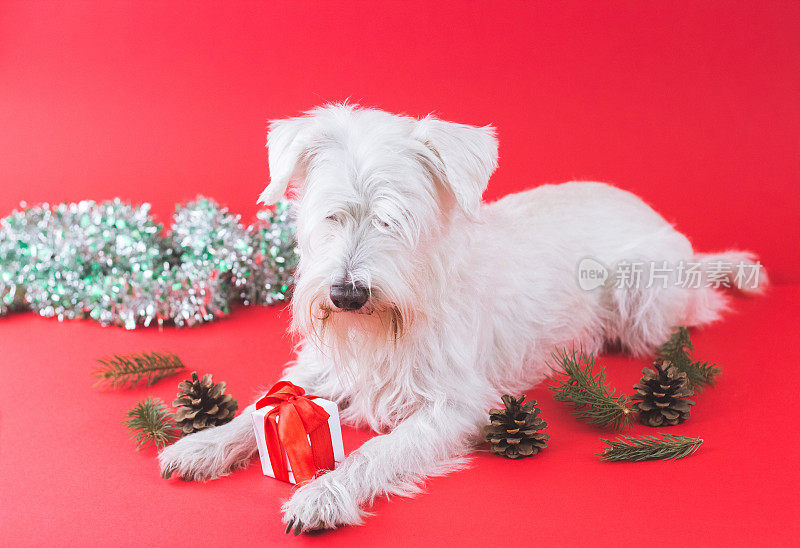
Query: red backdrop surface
[{"x": 692, "y": 105}]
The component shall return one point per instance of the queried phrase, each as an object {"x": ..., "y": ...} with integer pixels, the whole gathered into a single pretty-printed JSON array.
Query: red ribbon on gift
[{"x": 288, "y": 427}]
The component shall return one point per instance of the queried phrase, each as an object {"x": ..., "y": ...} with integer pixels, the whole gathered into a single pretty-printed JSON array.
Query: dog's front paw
[
  {"x": 324, "y": 503},
  {"x": 206, "y": 455}
]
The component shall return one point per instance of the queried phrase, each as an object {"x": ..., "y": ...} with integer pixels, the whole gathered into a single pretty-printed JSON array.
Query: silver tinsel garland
[{"x": 110, "y": 262}]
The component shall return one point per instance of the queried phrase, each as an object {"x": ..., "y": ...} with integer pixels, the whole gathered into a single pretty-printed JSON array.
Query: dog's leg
[
  {"x": 430, "y": 442},
  {"x": 211, "y": 453}
]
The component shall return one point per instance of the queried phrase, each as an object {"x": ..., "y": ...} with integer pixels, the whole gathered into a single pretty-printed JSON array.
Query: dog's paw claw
[
  {"x": 295, "y": 524},
  {"x": 167, "y": 471}
]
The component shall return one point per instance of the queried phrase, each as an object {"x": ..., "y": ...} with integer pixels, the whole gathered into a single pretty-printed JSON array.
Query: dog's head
[{"x": 373, "y": 193}]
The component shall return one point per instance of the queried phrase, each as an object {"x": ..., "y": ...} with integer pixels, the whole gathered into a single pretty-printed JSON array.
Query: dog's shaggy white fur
[{"x": 464, "y": 301}]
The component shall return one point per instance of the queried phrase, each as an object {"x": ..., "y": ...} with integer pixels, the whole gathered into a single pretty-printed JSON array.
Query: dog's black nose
[{"x": 349, "y": 296}]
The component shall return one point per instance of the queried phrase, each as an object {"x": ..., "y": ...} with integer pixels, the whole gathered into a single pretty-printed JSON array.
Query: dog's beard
[
  {"x": 381, "y": 324},
  {"x": 347, "y": 335}
]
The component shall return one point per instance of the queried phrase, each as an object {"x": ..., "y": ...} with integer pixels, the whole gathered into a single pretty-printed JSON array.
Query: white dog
[{"x": 418, "y": 306}]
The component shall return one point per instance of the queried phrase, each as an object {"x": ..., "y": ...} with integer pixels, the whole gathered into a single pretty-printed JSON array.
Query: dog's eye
[
  {"x": 381, "y": 224},
  {"x": 334, "y": 218}
]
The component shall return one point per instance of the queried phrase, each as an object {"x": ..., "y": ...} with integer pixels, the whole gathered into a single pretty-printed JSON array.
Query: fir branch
[
  {"x": 678, "y": 351},
  {"x": 587, "y": 392},
  {"x": 679, "y": 342},
  {"x": 661, "y": 447},
  {"x": 150, "y": 421},
  {"x": 701, "y": 374},
  {"x": 129, "y": 370}
]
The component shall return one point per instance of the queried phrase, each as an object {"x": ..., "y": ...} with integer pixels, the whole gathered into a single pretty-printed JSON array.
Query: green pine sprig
[
  {"x": 129, "y": 370},
  {"x": 586, "y": 391},
  {"x": 678, "y": 351},
  {"x": 150, "y": 421},
  {"x": 661, "y": 447}
]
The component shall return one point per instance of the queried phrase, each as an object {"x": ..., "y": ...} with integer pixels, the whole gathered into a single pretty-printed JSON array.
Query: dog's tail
[{"x": 737, "y": 270}]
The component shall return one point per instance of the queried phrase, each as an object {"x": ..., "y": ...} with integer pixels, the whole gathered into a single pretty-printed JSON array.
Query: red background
[{"x": 692, "y": 105}]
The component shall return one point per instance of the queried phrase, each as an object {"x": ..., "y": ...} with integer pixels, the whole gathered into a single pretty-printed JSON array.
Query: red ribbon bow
[{"x": 288, "y": 427}]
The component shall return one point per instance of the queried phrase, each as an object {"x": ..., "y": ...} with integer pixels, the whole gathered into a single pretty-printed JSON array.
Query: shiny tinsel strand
[
  {"x": 275, "y": 256},
  {"x": 109, "y": 262}
]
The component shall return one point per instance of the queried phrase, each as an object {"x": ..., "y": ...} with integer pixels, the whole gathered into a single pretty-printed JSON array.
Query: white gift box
[{"x": 259, "y": 418}]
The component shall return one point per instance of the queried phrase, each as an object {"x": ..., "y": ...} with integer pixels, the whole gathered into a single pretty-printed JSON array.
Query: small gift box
[{"x": 298, "y": 435}]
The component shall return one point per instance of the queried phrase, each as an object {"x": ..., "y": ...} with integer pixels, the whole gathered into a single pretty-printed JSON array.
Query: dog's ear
[
  {"x": 463, "y": 156},
  {"x": 287, "y": 142}
]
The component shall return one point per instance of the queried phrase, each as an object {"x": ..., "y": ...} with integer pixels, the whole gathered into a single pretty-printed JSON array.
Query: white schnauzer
[{"x": 418, "y": 306}]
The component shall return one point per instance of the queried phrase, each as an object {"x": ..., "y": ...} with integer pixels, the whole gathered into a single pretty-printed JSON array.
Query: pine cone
[
  {"x": 662, "y": 395},
  {"x": 514, "y": 432},
  {"x": 202, "y": 404}
]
